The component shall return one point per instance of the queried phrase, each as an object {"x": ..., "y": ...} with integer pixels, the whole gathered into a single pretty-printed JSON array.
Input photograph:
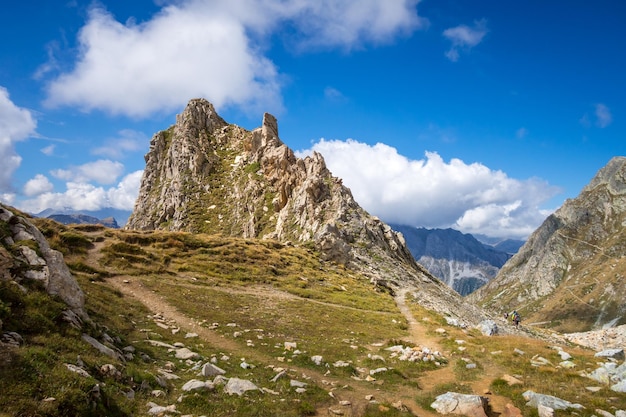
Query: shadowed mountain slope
[{"x": 457, "y": 259}]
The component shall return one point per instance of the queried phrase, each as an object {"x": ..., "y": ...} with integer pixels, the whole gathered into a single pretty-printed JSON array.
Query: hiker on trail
[{"x": 516, "y": 318}]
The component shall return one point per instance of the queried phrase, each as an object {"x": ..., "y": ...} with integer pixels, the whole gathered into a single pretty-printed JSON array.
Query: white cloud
[
  {"x": 8, "y": 198},
  {"x": 48, "y": 150},
  {"x": 603, "y": 116},
  {"x": 334, "y": 95},
  {"x": 212, "y": 49},
  {"x": 103, "y": 171},
  {"x": 38, "y": 185},
  {"x": 15, "y": 124},
  {"x": 435, "y": 194},
  {"x": 464, "y": 38},
  {"x": 85, "y": 196},
  {"x": 128, "y": 141}
]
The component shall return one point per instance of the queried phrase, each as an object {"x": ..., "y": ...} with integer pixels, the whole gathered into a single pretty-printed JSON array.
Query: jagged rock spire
[{"x": 204, "y": 175}]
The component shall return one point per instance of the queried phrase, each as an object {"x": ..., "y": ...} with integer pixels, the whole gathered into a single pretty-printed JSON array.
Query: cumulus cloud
[
  {"x": 212, "y": 49},
  {"x": 103, "y": 171},
  {"x": 16, "y": 124},
  {"x": 436, "y": 194},
  {"x": 464, "y": 38},
  {"x": 38, "y": 185},
  {"x": 128, "y": 141},
  {"x": 85, "y": 196}
]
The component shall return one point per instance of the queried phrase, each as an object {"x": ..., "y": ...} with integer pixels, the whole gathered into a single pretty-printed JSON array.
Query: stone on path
[{"x": 460, "y": 404}]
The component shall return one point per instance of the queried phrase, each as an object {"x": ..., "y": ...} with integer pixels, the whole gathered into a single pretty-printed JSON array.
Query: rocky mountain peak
[{"x": 204, "y": 175}]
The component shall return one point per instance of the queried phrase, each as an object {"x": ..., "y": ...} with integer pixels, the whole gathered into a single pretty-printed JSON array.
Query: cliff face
[
  {"x": 570, "y": 273},
  {"x": 204, "y": 175}
]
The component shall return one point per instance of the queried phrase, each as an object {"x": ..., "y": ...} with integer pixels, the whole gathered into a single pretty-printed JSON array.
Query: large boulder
[
  {"x": 31, "y": 258},
  {"x": 460, "y": 404}
]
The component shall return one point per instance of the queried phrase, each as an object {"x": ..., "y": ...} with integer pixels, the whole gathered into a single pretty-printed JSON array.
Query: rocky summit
[
  {"x": 204, "y": 175},
  {"x": 570, "y": 273}
]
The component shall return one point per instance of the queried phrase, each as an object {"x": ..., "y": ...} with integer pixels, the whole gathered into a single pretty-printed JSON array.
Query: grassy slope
[{"x": 261, "y": 294}]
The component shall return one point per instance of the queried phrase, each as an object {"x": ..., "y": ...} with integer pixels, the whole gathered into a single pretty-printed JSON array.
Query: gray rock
[
  {"x": 460, "y": 404},
  {"x": 534, "y": 400},
  {"x": 208, "y": 369},
  {"x": 185, "y": 353},
  {"x": 617, "y": 354},
  {"x": 12, "y": 338},
  {"x": 619, "y": 387},
  {"x": 77, "y": 370},
  {"x": 46, "y": 264},
  {"x": 488, "y": 327},
  {"x": 239, "y": 386},
  {"x": 102, "y": 348},
  {"x": 195, "y": 385}
]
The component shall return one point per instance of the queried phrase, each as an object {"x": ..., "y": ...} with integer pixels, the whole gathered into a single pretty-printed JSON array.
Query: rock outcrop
[
  {"x": 204, "y": 175},
  {"x": 570, "y": 273},
  {"x": 26, "y": 255}
]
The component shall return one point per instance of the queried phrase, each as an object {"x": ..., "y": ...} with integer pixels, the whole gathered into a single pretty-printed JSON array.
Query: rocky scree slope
[
  {"x": 570, "y": 273},
  {"x": 204, "y": 175}
]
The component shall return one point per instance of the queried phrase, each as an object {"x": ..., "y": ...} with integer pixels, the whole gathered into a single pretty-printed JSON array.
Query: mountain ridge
[
  {"x": 569, "y": 274},
  {"x": 204, "y": 175}
]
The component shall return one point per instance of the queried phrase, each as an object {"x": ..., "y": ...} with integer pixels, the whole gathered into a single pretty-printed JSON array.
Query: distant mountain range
[
  {"x": 460, "y": 260},
  {"x": 108, "y": 217}
]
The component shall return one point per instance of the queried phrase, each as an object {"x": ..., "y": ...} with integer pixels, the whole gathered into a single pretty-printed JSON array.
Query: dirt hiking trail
[{"x": 404, "y": 397}]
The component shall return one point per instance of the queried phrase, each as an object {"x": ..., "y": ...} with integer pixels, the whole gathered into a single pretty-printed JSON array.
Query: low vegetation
[{"x": 262, "y": 303}]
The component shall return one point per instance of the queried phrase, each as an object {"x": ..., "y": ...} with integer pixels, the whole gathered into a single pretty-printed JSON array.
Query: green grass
[{"x": 274, "y": 293}]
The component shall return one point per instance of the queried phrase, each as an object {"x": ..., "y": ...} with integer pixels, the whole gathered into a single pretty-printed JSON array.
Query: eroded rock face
[
  {"x": 203, "y": 175},
  {"x": 572, "y": 267},
  {"x": 26, "y": 255}
]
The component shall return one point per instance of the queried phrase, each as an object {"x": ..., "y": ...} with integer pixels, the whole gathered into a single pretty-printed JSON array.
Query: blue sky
[{"x": 479, "y": 115}]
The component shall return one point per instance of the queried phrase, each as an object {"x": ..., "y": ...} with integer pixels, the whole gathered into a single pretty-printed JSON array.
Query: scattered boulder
[
  {"x": 317, "y": 359},
  {"x": 12, "y": 339},
  {"x": 511, "y": 380},
  {"x": 534, "y": 400},
  {"x": 196, "y": 385},
  {"x": 239, "y": 386},
  {"x": 102, "y": 348},
  {"x": 78, "y": 370},
  {"x": 185, "y": 353},
  {"x": 488, "y": 327},
  {"x": 208, "y": 369},
  {"x": 460, "y": 404},
  {"x": 617, "y": 354}
]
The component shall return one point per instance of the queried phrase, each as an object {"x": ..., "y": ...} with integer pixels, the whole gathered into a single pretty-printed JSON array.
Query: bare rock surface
[
  {"x": 204, "y": 175},
  {"x": 35, "y": 260}
]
